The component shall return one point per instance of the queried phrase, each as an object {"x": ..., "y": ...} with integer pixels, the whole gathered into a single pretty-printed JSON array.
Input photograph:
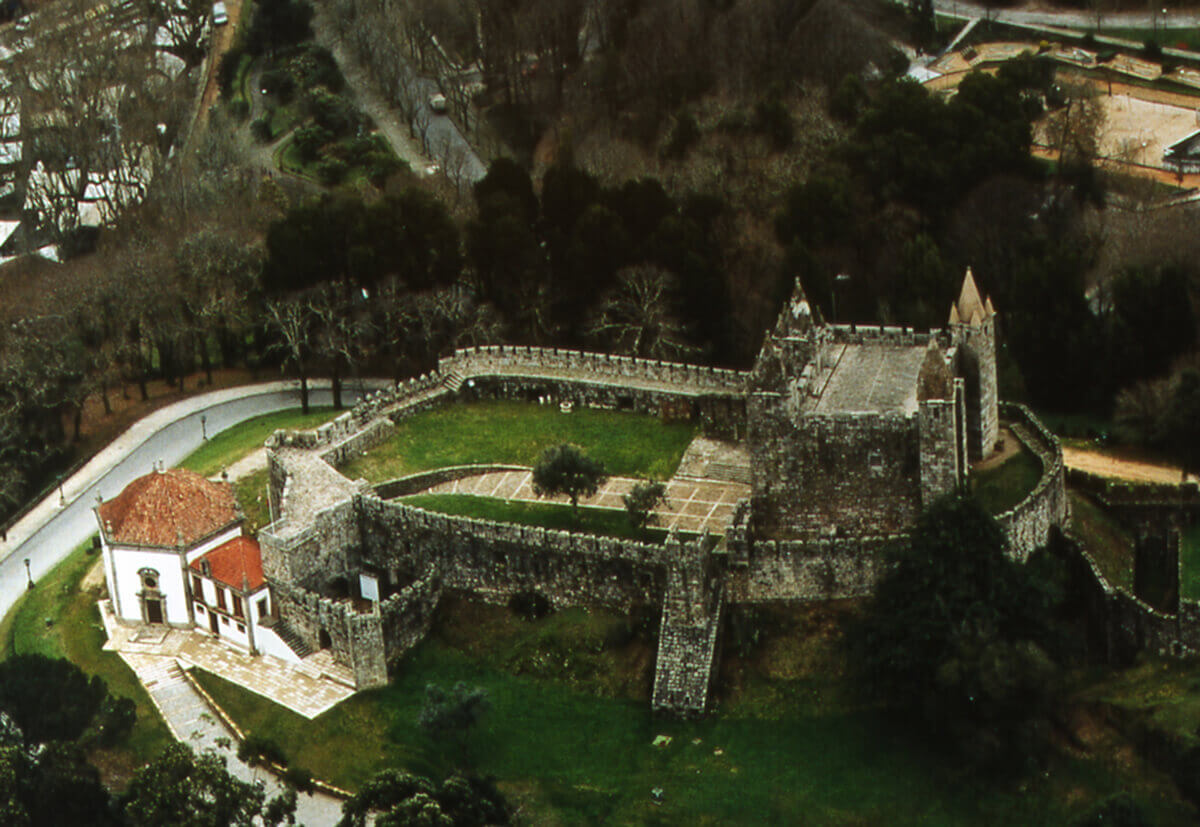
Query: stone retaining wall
[
  {"x": 423, "y": 480},
  {"x": 1028, "y": 525}
]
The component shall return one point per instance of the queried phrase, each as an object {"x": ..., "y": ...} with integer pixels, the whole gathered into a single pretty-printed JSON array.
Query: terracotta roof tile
[
  {"x": 168, "y": 508},
  {"x": 236, "y": 563}
]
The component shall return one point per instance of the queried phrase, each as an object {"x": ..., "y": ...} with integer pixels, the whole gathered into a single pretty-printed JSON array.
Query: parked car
[
  {"x": 438, "y": 103},
  {"x": 220, "y": 15}
]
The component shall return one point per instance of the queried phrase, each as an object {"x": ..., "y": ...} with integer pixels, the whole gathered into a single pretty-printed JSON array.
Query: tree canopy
[
  {"x": 955, "y": 634},
  {"x": 565, "y": 469}
]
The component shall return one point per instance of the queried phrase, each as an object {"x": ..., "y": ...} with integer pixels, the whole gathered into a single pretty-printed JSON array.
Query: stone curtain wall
[
  {"x": 497, "y": 560},
  {"x": 938, "y": 428},
  {"x": 313, "y": 556},
  {"x": 501, "y": 360},
  {"x": 1028, "y": 524},
  {"x": 355, "y": 638},
  {"x": 809, "y": 570}
]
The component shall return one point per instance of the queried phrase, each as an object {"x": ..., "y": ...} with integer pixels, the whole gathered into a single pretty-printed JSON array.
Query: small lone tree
[
  {"x": 565, "y": 469},
  {"x": 641, "y": 500},
  {"x": 452, "y": 714}
]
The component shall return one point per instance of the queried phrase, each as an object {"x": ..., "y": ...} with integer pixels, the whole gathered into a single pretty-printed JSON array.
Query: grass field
[
  {"x": 571, "y": 744},
  {"x": 1001, "y": 487},
  {"x": 629, "y": 444},
  {"x": 238, "y": 441},
  {"x": 603, "y": 521},
  {"x": 1189, "y": 563},
  {"x": 74, "y": 632},
  {"x": 1105, "y": 540}
]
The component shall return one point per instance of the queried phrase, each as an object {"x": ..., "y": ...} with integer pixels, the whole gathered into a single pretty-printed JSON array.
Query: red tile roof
[
  {"x": 168, "y": 508},
  {"x": 236, "y": 563}
]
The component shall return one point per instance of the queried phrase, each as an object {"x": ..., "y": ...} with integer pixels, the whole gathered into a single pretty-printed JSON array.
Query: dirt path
[
  {"x": 222, "y": 39},
  {"x": 1123, "y": 469}
]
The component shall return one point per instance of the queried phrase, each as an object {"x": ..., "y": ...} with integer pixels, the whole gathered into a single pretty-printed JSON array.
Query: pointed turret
[
  {"x": 972, "y": 327},
  {"x": 970, "y": 308}
]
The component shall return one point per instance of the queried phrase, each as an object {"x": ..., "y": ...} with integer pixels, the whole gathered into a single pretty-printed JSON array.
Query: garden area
[
  {"x": 516, "y": 433},
  {"x": 302, "y": 102},
  {"x": 570, "y": 737}
]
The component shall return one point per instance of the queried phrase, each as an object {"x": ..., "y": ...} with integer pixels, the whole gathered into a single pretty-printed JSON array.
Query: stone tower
[{"x": 973, "y": 331}]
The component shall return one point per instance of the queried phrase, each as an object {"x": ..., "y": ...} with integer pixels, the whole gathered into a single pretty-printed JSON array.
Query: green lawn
[
  {"x": 1003, "y": 486},
  {"x": 59, "y": 619},
  {"x": 238, "y": 441},
  {"x": 1189, "y": 564},
  {"x": 629, "y": 444},
  {"x": 1108, "y": 543},
  {"x": 567, "y": 754},
  {"x": 251, "y": 493},
  {"x": 604, "y": 521}
]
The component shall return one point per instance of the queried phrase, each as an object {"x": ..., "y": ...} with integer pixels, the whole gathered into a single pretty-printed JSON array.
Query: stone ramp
[{"x": 716, "y": 460}]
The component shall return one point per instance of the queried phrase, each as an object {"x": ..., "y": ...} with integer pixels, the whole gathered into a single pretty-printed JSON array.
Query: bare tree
[
  {"x": 638, "y": 316},
  {"x": 293, "y": 321}
]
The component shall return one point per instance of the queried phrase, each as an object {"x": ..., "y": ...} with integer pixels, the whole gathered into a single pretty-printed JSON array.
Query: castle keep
[{"x": 849, "y": 431}]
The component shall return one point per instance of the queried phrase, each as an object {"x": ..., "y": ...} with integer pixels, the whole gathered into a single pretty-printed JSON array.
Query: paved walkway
[
  {"x": 192, "y": 722},
  {"x": 314, "y": 686},
  {"x": 691, "y": 504}
]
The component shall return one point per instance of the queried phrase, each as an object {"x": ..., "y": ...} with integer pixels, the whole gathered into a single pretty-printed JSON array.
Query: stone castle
[{"x": 849, "y": 432}]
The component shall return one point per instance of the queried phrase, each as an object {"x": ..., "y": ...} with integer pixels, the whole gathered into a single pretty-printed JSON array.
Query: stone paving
[
  {"x": 312, "y": 486},
  {"x": 714, "y": 459},
  {"x": 309, "y": 688},
  {"x": 192, "y": 722},
  {"x": 693, "y": 505}
]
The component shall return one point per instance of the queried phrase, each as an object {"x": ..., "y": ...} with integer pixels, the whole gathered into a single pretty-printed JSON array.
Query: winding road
[{"x": 61, "y": 521}]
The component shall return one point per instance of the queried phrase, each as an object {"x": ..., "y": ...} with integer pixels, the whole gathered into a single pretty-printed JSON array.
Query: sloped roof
[
  {"x": 170, "y": 508},
  {"x": 236, "y": 563}
]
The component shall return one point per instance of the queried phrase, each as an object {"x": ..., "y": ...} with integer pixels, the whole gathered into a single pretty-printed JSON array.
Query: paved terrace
[
  {"x": 309, "y": 688},
  {"x": 693, "y": 505}
]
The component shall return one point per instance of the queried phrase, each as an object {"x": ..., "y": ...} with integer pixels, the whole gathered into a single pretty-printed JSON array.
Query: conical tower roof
[{"x": 970, "y": 308}]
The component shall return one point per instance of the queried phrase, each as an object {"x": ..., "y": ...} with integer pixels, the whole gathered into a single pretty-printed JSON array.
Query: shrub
[
  {"x": 529, "y": 605},
  {"x": 300, "y": 779},
  {"x": 280, "y": 83},
  {"x": 261, "y": 129},
  {"x": 227, "y": 70},
  {"x": 258, "y": 750},
  {"x": 332, "y": 171},
  {"x": 309, "y": 140},
  {"x": 240, "y": 110}
]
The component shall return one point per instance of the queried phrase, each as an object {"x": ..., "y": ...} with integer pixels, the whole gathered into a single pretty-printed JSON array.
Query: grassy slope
[
  {"x": 1108, "y": 543},
  {"x": 628, "y": 444},
  {"x": 76, "y": 634},
  {"x": 233, "y": 443},
  {"x": 1003, "y": 486},
  {"x": 603, "y": 521},
  {"x": 1189, "y": 563},
  {"x": 569, "y": 737}
]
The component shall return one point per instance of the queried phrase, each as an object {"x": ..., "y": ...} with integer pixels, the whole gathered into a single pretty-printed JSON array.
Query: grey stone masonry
[{"x": 1028, "y": 524}]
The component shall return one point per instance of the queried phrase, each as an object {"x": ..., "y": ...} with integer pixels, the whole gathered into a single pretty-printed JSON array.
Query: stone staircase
[
  {"x": 454, "y": 379},
  {"x": 292, "y": 638}
]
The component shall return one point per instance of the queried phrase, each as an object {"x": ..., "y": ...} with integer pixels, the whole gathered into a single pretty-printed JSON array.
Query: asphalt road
[
  {"x": 51, "y": 530},
  {"x": 1073, "y": 19}
]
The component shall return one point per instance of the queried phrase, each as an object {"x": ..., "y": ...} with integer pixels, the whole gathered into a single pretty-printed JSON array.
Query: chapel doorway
[{"x": 154, "y": 612}]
